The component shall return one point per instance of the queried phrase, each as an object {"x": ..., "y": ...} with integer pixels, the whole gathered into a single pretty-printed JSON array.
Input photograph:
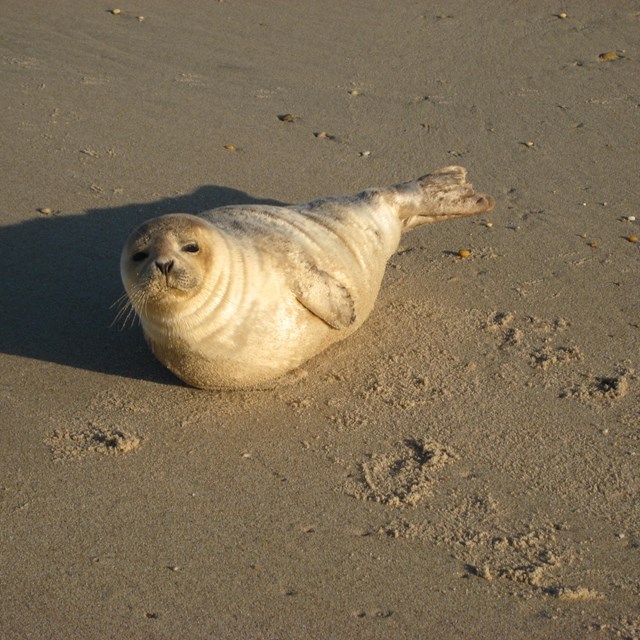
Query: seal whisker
[
  {"x": 123, "y": 315},
  {"x": 123, "y": 299},
  {"x": 131, "y": 316},
  {"x": 126, "y": 305}
]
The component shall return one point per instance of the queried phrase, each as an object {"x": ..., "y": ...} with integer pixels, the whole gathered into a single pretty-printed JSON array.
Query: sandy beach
[{"x": 466, "y": 465}]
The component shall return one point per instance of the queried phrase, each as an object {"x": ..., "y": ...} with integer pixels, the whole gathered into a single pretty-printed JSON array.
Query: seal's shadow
[{"x": 61, "y": 278}]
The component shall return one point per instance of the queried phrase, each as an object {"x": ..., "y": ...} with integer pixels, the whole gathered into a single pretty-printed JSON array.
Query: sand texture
[{"x": 467, "y": 465}]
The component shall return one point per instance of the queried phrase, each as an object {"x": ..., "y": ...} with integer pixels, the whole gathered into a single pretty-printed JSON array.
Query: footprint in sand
[
  {"x": 404, "y": 476},
  {"x": 65, "y": 444}
]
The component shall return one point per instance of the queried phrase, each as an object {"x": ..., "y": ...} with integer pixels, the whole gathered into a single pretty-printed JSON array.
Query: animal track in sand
[
  {"x": 475, "y": 532},
  {"x": 538, "y": 343},
  {"x": 533, "y": 338},
  {"x": 404, "y": 476},
  {"x": 67, "y": 444},
  {"x": 602, "y": 389}
]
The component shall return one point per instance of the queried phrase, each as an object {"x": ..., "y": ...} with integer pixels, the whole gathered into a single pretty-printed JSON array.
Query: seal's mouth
[
  {"x": 167, "y": 276},
  {"x": 160, "y": 287}
]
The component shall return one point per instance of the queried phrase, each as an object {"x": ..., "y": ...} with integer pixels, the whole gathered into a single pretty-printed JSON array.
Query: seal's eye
[
  {"x": 192, "y": 247},
  {"x": 140, "y": 256}
]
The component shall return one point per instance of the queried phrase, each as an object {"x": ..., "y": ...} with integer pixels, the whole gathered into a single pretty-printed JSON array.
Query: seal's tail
[{"x": 441, "y": 195}]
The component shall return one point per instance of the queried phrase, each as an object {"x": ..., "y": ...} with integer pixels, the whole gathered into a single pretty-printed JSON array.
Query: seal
[{"x": 241, "y": 295}]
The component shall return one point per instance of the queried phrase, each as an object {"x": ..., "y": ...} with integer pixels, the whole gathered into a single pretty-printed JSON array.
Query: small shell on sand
[
  {"x": 324, "y": 135},
  {"x": 632, "y": 239},
  {"x": 287, "y": 117},
  {"x": 610, "y": 55},
  {"x": 229, "y": 147},
  {"x": 116, "y": 12},
  {"x": 45, "y": 211},
  {"x": 464, "y": 253}
]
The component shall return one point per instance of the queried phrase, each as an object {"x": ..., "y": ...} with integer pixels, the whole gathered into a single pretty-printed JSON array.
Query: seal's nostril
[{"x": 164, "y": 266}]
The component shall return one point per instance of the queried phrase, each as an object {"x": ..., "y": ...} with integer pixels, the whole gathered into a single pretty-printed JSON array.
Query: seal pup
[{"x": 241, "y": 295}]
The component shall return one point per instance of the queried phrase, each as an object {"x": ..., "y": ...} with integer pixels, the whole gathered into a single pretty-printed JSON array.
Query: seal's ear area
[{"x": 326, "y": 298}]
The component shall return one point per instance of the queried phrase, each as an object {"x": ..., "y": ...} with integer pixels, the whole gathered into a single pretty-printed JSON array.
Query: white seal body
[{"x": 241, "y": 295}]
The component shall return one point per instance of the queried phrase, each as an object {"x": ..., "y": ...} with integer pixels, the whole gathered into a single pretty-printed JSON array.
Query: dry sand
[{"x": 465, "y": 466}]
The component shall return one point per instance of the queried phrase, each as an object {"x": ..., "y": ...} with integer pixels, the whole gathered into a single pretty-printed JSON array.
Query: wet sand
[{"x": 465, "y": 465}]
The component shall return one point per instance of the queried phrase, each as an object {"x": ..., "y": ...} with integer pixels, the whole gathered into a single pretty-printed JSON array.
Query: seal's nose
[{"x": 164, "y": 266}]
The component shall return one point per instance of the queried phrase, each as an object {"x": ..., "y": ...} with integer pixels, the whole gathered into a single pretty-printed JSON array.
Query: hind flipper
[{"x": 441, "y": 195}]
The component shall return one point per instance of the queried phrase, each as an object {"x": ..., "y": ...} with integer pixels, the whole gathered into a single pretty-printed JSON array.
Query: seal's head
[{"x": 165, "y": 262}]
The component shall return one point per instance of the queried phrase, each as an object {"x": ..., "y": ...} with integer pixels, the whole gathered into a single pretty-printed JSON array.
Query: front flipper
[{"x": 325, "y": 297}]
